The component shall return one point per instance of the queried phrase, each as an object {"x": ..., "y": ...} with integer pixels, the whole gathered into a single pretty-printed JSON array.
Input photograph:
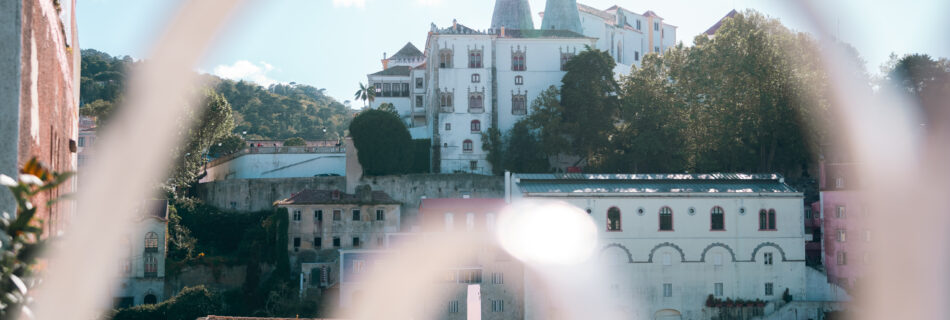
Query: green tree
[
  {"x": 383, "y": 143},
  {"x": 523, "y": 152},
  {"x": 492, "y": 143},
  {"x": 213, "y": 122},
  {"x": 227, "y": 145},
  {"x": 926, "y": 81},
  {"x": 388, "y": 107},
  {"x": 547, "y": 118},
  {"x": 295, "y": 142},
  {"x": 588, "y": 97},
  {"x": 101, "y": 109},
  {"x": 365, "y": 93}
]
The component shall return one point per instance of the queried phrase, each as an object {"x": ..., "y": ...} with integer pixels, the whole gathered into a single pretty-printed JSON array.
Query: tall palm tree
[{"x": 365, "y": 93}]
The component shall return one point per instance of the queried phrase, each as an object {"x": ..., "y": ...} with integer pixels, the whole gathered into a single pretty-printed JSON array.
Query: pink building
[{"x": 843, "y": 214}]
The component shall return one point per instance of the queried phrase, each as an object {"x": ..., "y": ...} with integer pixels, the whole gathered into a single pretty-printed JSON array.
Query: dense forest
[{"x": 278, "y": 112}]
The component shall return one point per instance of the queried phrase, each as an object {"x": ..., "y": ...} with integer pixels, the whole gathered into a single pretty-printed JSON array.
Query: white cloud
[
  {"x": 349, "y": 3},
  {"x": 246, "y": 70}
]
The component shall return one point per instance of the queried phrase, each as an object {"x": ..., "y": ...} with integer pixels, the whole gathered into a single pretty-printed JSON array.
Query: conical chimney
[
  {"x": 512, "y": 14},
  {"x": 562, "y": 15}
]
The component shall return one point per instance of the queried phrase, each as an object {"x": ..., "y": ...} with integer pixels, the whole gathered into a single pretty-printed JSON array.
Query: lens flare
[{"x": 547, "y": 233}]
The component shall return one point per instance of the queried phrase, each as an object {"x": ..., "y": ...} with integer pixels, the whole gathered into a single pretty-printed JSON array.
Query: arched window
[
  {"x": 666, "y": 219},
  {"x": 717, "y": 220},
  {"x": 476, "y": 126},
  {"x": 151, "y": 241},
  {"x": 772, "y": 219},
  {"x": 467, "y": 146},
  {"x": 613, "y": 219},
  {"x": 518, "y": 61},
  {"x": 445, "y": 58},
  {"x": 767, "y": 219},
  {"x": 151, "y": 299}
]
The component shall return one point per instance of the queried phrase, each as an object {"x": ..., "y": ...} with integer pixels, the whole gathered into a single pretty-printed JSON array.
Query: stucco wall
[
  {"x": 278, "y": 165},
  {"x": 260, "y": 194}
]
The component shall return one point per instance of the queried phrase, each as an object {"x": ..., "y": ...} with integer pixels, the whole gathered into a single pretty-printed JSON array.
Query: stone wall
[
  {"x": 216, "y": 278},
  {"x": 260, "y": 194}
]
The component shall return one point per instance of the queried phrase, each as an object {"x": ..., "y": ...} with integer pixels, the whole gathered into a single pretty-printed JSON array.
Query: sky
[{"x": 334, "y": 44}]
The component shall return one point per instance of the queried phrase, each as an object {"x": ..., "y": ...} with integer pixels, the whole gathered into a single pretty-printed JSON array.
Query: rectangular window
[
  {"x": 453, "y": 306},
  {"x": 337, "y": 215},
  {"x": 296, "y": 215},
  {"x": 448, "y": 127},
  {"x": 336, "y": 242},
  {"x": 519, "y": 80},
  {"x": 380, "y": 215},
  {"x": 470, "y": 276},
  {"x": 318, "y": 242},
  {"x": 497, "y": 278},
  {"x": 296, "y": 243},
  {"x": 476, "y": 78},
  {"x": 419, "y": 83},
  {"x": 636, "y": 55},
  {"x": 842, "y": 258},
  {"x": 498, "y": 306},
  {"x": 519, "y": 104},
  {"x": 387, "y": 89},
  {"x": 717, "y": 289},
  {"x": 656, "y": 26},
  {"x": 475, "y": 59},
  {"x": 356, "y": 242},
  {"x": 420, "y": 102},
  {"x": 518, "y": 61},
  {"x": 768, "y": 258},
  {"x": 476, "y": 102},
  {"x": 840, "y": 212},
  {"x": 667, "y": 289},
  {"x": 638, "y": 24},
  {"x": 445, "y": 58},
  {"x": 769, "y": 289},
  {"x": 842, "y": 235},
  {"x": 656, "y": 49},
  {"x": 445, "y": 102},
  {"x": 356, "y": 214},
  {"x": 318, "y": 215},
  {"x": 405, "y": 89},
  {"x": 473, "y": 165}
]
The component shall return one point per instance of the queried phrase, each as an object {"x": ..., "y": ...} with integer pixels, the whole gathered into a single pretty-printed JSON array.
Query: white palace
[{"x": 468, "y": 80}]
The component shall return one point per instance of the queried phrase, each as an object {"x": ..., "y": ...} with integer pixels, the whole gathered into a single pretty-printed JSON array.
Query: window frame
[
  {"x": 468, "y": 146},
  {"x": 722, "y": 216},
  {"x": 445, "y": 58},
  {"x": 318, "y": 215},
  {"x": 380, "y": 214},
  {"x": 718, "y": 289},
  {"x": 475, "y": 59},
  {"x": 660, "y": 219},
  {"x": 357, "y": 214},
  {"x": 769, "y": 289},
  {"x": 151, "y": 242},
  {"x": 476, "y": 126},
  {"x": 767, "y": 220},
  {"x": 337, "y": 214},
  {"x": 768, "y": 258},
  {"x": 521, "y": 102},
  {"x": 667, "y": 290},
  {"x": 519, "y": 80},
  {"x": 519, "y": 61},
  {"x": 618, "y": 227}
]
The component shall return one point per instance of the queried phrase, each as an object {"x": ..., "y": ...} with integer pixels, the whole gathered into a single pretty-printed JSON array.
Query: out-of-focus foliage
[
  {"x": 926, "y": 81},
  {"x": 227, "y": 145},
  {"x": 191, "y": 303},
  {"x": 20, "y": 236},
  {"x": 388, "y": 107},
  {"x": 382, "y": 142}
]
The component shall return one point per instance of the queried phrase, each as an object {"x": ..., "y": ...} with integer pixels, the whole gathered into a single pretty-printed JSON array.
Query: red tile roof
[{"x": 309, "y": 196}]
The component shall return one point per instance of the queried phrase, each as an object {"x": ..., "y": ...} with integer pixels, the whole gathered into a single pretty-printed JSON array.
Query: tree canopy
[{"x": 383, "y": 143}]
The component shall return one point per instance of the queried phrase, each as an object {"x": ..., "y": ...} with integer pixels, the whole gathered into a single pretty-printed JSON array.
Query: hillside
[{"x": 278, "y": 112}]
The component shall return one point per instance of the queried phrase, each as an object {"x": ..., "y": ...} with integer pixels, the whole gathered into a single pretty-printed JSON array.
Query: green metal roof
[{"x": 652, "y": 183}]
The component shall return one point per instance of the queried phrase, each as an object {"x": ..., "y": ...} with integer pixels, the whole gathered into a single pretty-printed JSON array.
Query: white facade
[
  {"x": 657, "y": 272},
  {"x": 467, "y": 81},
  {"x": 142, "y": 269},
  {"x": 268, "y": 162}
]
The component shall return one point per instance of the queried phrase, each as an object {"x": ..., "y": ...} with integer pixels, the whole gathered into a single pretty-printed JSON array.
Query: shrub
[
  {"x": 382, "y": 142},
  {"x": 295, "y": 142},
  {"x": 189, "y": 304}
]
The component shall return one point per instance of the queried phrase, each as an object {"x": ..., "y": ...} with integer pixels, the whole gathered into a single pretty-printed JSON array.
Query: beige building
[{"x": 323, "y": 221}]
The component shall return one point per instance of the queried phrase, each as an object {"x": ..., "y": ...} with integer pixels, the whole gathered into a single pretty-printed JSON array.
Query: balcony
[{"x": 447, "y": 109}]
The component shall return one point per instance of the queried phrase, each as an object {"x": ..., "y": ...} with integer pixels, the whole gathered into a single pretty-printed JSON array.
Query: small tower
[
  {"x": 562, "y": 15},
  {"x": 512, "y": 14}
]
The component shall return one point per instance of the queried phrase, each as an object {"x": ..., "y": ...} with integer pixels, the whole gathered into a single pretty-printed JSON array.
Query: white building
[
  {"x": 142, "y": 270},
  {"x": 670, "y": 241},
  {"x": 266, "y": 162},
  {"x": 471, "y": 80}
]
